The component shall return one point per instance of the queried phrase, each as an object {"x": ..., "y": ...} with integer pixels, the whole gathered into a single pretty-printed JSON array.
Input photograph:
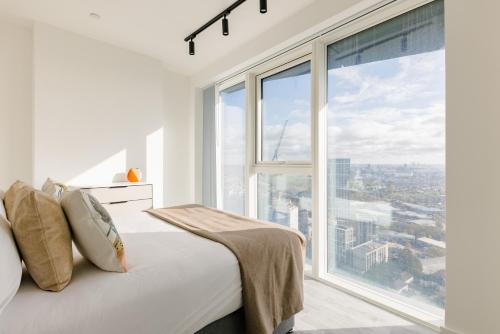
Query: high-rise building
[
  {"x": 344, "y": 242},
  {"x": 285, "y": 213},
  {"x": 339, "y": 173},
  {"x": 305, "y": 222},
  {"x": 342, "y": 176},
  {"x": 365, "y": 231},
  {"x": 305, "y": 226},
  {"x": 369, "y": 254},
  {"x": 293, "y": 216}
]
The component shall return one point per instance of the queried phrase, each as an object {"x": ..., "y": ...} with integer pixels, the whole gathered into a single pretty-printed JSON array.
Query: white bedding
[{"x": 177, "y": 283}]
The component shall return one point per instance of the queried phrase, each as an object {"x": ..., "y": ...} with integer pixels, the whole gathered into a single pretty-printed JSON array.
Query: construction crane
[
  {"x": 272, "y": 182},
  {"x": 275, "y": 156}
]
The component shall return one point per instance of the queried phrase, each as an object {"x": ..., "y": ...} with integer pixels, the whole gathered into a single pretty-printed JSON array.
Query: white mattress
[{"x": 177, "y": 283}]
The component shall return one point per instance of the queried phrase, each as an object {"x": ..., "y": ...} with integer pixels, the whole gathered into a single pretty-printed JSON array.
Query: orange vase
[{"x": 134, "y": 175}]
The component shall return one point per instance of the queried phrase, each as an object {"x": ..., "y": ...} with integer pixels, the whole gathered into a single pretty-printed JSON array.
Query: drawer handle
[
  {"x": 113, "y": 187},
  {"x": 119, "y": 202}
]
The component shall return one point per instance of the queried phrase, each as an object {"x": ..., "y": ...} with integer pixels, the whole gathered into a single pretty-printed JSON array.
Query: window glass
[
  {"x": 233, "y": 123},
  {"x": 286, "y": 115},
  {"x": 286, "y": 200},
  {"x": 386, "y": 157}
]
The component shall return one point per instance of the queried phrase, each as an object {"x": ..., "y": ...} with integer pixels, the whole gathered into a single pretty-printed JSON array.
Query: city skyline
[{"x": 400, "y": 248}]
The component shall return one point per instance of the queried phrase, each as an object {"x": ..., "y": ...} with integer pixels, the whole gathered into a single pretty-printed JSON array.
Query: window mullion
[
  {"x": 218, "y": 148},
  {"x": 319, "y": 121},
  {"x": 251, "y": 183}
]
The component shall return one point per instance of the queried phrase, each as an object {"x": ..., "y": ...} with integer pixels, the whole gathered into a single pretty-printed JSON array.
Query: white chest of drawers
[{"x": 122, "y": 198}]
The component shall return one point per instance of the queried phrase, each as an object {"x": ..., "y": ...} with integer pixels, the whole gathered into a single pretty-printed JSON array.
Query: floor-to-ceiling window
[
  {"x": 284, "y": 140},
  {"x": 232, "y": 120},
  {"x": 352, "y": 125},
  {"x": 386, "y": 156}
]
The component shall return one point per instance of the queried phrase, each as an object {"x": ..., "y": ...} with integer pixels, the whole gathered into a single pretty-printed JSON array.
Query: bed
[{"x": 177, "y": 283}]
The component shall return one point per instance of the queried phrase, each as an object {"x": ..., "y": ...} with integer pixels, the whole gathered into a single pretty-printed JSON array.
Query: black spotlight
[
  {"x": 191, "y": 47},
  {"x": 225, "y": 26},
  {"x": 263, "y": 6}
]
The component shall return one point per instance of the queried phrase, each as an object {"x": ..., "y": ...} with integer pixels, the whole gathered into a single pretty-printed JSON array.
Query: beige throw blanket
[{"x": 270, "y": 258}]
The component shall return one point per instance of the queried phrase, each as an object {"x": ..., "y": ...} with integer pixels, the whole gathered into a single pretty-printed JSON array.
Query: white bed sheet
[{"x": 177, "y": 283}]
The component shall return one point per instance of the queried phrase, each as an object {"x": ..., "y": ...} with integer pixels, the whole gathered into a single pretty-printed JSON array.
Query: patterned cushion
[
  {"x": 94, "y": 233},
  {"x": 54, "y": 189},
  {"x": 42, "y": 235}
]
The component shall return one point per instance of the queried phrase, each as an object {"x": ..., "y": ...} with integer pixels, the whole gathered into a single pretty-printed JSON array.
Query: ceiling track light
[
  {"x": 263, "y": 6},
  {"x": 191, "y": 47},
  {"x": 225, "y": 23},
  {"x": 225, "y": 26}
]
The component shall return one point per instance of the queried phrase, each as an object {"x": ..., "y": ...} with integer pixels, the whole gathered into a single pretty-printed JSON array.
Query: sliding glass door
[{"x": 386, "y": 156}]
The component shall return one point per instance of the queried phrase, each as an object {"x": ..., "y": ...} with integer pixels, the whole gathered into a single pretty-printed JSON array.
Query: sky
[
  {"x": 234, "y": 127},
  {"x": 233, "y": 149},
  {"x": 388, "y": 112},
  {"x": 287, "y": 99},
  {"x": 383, "y": 112}
]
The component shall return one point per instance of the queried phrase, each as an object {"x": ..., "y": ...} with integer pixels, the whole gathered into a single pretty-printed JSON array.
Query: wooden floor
[{"x": 330, "y": 311}]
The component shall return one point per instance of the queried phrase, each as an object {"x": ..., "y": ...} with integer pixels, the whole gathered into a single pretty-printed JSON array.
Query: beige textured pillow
[
  {"x": 94, "y": 232},
  {"x": 42, "y": 235}
]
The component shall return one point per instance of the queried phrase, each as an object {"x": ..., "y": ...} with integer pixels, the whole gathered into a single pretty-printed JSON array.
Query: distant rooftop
[
  {"x": 367, "y": 247},
  {"x": 433, "y": 242}
]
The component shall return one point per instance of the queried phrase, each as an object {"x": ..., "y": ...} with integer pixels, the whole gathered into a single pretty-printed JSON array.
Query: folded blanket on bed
[{"x": 270, "y": 257}]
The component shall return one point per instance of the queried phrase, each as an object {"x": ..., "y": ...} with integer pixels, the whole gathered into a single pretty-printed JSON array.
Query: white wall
[
  {"x": 197, "y": 108},
  {"x": 179, "y": 141},
  {"x": 92, "y": 103},
  {"x": 81, "y": 111},
  {"x": 99, "y": 110},
  {"x": 473, "y": 166},
  {"x": 94, "y": 111},
  {"x": 15, "y": 103}
]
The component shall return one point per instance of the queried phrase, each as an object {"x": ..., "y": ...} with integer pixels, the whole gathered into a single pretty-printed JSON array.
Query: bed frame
[{"x": 234, "y": 323}]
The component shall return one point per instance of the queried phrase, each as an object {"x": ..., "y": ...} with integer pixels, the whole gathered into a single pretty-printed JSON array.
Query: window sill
[{"x": 430, "y": 317}]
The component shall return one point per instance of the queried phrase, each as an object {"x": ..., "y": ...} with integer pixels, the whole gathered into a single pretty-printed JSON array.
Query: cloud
[
  {"x": 233, "y": 135},
  {"x": 300, "y": 115},
  {"x": 389, "y": 112},
  {"x": 295, "y": 144},
  {"x": 405, "y": 138},
  {"x": 398, "y": 118},
  {"x": 417, "y": 77}
]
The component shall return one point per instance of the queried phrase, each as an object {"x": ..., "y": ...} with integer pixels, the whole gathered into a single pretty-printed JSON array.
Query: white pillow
[
  {"x": 10, "y": 264},
  {"x": 94, "y": 233}
]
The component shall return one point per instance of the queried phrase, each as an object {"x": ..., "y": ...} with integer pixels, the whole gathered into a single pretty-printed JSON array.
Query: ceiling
[{"x": 158, "y": 27}]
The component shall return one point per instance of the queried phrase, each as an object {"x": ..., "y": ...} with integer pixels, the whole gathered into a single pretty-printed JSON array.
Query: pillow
[
  {"x": 42, "y": 235},
  {"x": 10, "y": 264},
  {"x": 94, "y": 232},
  {"x": 54, "y": 189}
]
